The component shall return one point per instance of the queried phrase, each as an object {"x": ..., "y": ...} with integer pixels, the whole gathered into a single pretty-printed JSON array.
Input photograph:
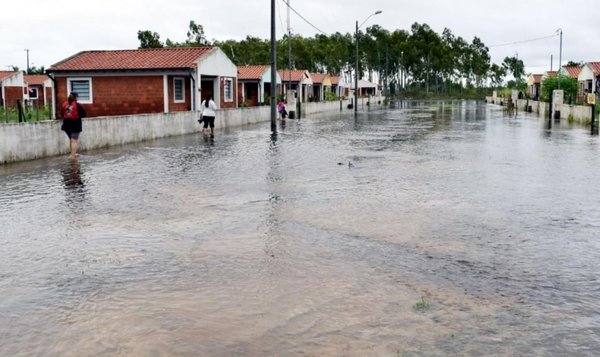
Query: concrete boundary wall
[
  {"x": 29, "y": 141},
  {"x": 579, "y": 113}
]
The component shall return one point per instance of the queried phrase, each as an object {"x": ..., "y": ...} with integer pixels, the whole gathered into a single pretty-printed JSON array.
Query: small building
[
  {"x": 335, "y": 83},
  {"x": 534, "y": 86},
  {"x": 159, "y": 80},
  {"x": 254, "y": 84},
  {"x": 39, "y": 90},
  {"x": 366, "y": 88},
  {"x": 589, "y": 78},
  {"x": 12, "y": 89},
  {"x": 321, "y": 84},
  {"x": 297, "y": 80},
  {"x": 571, "y": 71}
]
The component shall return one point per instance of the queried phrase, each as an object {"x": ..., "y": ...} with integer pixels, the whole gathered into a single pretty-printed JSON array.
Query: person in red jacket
[{"x": 71, "y": 112}]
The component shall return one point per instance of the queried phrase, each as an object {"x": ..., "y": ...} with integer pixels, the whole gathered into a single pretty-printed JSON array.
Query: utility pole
[
  {"x": 273, "y": 71},
  {"x": 559, "y": 57},
  {"x": 289, "y": 84},
  {"x": 27, "y": 50}
]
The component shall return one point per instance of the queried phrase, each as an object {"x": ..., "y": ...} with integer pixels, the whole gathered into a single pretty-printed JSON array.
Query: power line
[
  {"x": 302, "y": 17},
  {"x": 524, "y": 41}
]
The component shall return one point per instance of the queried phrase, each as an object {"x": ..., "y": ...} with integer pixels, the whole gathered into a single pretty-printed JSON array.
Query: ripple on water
[{"x": 254, "y": 245}]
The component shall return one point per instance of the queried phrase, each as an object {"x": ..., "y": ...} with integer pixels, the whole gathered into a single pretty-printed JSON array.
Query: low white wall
[
  {"x": 579, "y": 113},
  {"x": 28, "y": 141}
]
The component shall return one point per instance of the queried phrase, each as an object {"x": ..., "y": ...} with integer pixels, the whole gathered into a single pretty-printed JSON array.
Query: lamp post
[
  {"x": 559, "y": 57},
  {"x": 356, "y": 69}
]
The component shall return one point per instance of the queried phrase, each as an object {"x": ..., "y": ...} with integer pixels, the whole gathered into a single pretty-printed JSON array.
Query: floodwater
[{"x": 426, "y": 229}]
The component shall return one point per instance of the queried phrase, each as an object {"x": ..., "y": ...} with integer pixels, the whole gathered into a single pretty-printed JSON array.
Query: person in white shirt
[{"x": 209, "y": 109}]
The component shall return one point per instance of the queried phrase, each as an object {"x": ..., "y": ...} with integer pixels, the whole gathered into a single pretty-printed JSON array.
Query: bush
[
  {"x": 329, "y": 96},
  {"x": 567, "y": 84}
]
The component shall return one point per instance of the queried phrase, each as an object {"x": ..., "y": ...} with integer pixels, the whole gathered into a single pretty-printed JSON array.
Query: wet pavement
[{"x": 430, "y": 228}]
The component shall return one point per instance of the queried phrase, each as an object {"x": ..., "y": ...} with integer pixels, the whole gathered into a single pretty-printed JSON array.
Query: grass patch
[{"x": 421, "y": 305}]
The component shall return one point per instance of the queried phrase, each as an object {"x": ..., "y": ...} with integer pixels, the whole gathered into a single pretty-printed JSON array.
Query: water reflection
[
  {"x": 318, "y": 240},
  {"x": 72, "y": 177}
]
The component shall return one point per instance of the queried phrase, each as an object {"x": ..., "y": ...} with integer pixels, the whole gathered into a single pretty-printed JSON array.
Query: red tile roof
[
  {"x": 573, "y": 71},
  {"x": 296, "y": 75},
  {"x": 334, "y": 79},
  {"x": 6, "y": 74},
  {"x": 252, "y": 71},
  {"x": 145, "y": 59},
  {"x": 36, "y": 79},
  {"x": 537, "y": 78},
  {"x": 595, "y": 67},
  {"x": 318, "y": 77}
]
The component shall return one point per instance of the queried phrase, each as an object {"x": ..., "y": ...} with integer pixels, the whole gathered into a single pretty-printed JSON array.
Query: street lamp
[
  {"x": 559, "y": 31},
  {"x": 356, "y": 69}
]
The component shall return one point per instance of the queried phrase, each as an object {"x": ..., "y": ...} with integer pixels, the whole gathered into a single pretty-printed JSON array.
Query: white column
[{"x": 166, "y": 93}]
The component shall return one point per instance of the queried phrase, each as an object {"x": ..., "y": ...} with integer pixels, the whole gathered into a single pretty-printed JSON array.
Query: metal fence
[{"x": 27, "y": 111}]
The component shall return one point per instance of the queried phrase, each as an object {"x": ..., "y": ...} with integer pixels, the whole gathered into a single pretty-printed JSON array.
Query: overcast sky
[{"x": 53, "y": 30}]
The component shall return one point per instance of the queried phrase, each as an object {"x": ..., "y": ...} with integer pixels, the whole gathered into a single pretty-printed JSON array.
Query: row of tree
[{"x": 421, "y": 57}]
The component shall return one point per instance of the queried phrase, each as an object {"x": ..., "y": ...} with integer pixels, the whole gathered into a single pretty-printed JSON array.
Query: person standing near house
[
  {"x": 209, "y": 112},
  {"x": 281, "y": 109},
  {"x": 71, "y": 113}
]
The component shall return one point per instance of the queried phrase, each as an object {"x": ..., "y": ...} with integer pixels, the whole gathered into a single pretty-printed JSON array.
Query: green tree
[
  {"x": 195, "y": 35},
  {"x": 574, "y": 64},
  {"x": 149, "y": 39},
  {"x": 567, "y": 84},
  {"x": 515, "y": 66},
  {"x": 497, "y": 74},
  {"x": 480, "y": 60},
  {"x": 36, "y": 70}
]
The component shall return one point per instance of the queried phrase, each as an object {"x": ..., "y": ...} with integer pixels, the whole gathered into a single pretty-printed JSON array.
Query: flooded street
[{"x": 427, "y": 229}]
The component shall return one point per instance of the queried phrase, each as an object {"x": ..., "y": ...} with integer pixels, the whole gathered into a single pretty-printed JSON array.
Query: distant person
[
  {"x": 281, "y": 109},
  {"x": 209, "y": 112},
  {"x": 71, "y": 113}
]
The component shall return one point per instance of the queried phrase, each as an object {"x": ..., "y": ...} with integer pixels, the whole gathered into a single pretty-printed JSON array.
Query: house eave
[{"x": 105, "y": 72}]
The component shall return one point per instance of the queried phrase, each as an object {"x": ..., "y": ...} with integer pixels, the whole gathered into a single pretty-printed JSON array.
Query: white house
[
  {"x": 589, "y": 78},
  {"x": 254, "y": 83},
  {"x": 12, "y": 88}
]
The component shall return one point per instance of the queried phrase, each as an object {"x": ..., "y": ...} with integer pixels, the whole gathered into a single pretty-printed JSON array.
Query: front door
[{"x": 208, "y": 90}]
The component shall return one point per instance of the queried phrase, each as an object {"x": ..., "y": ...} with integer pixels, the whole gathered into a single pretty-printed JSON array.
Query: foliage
[
  {"x": 567, "y": 84},
  {"x": 195, "y": 38},
  {"x": 420, "y": 59},
  {"x": 497, "y": 74},
  {"x": 421, "y": 305},
  {"x": 30, "y": 113},
  {"x": 330, "y": 96},
  {"x": 149, "y": 39},
  {"x": 516, "y": 67},
  {"x": 574, "y": 64}
]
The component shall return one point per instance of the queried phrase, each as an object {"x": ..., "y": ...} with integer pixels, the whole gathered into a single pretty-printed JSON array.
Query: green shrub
[{"x": 330, "y": 96}]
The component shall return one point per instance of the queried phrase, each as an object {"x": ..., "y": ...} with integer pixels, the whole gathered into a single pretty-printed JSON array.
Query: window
[
  {"x": 179, "y": 90},
  {"x": 83, "y": 87},
  {"x": 33, "y": 93},
  {"x": 228, "y": 89}
]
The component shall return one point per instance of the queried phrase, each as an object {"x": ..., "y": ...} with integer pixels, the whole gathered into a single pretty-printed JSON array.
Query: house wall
[
  {"x": 116, "y": 95},
  {"x": 33, "y": 140},
  {"x": 47, "y": 95},
  {"x": 233, "y": 103},
  {"x": 586, "y": 80},
  {"x": 178, "y": 107},
  {"x": 11, "y": 95},
  {"x": 249, "y": 93}
]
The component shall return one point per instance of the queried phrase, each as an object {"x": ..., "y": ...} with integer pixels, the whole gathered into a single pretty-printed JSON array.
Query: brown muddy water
[{"x": 426, "y": 229}]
